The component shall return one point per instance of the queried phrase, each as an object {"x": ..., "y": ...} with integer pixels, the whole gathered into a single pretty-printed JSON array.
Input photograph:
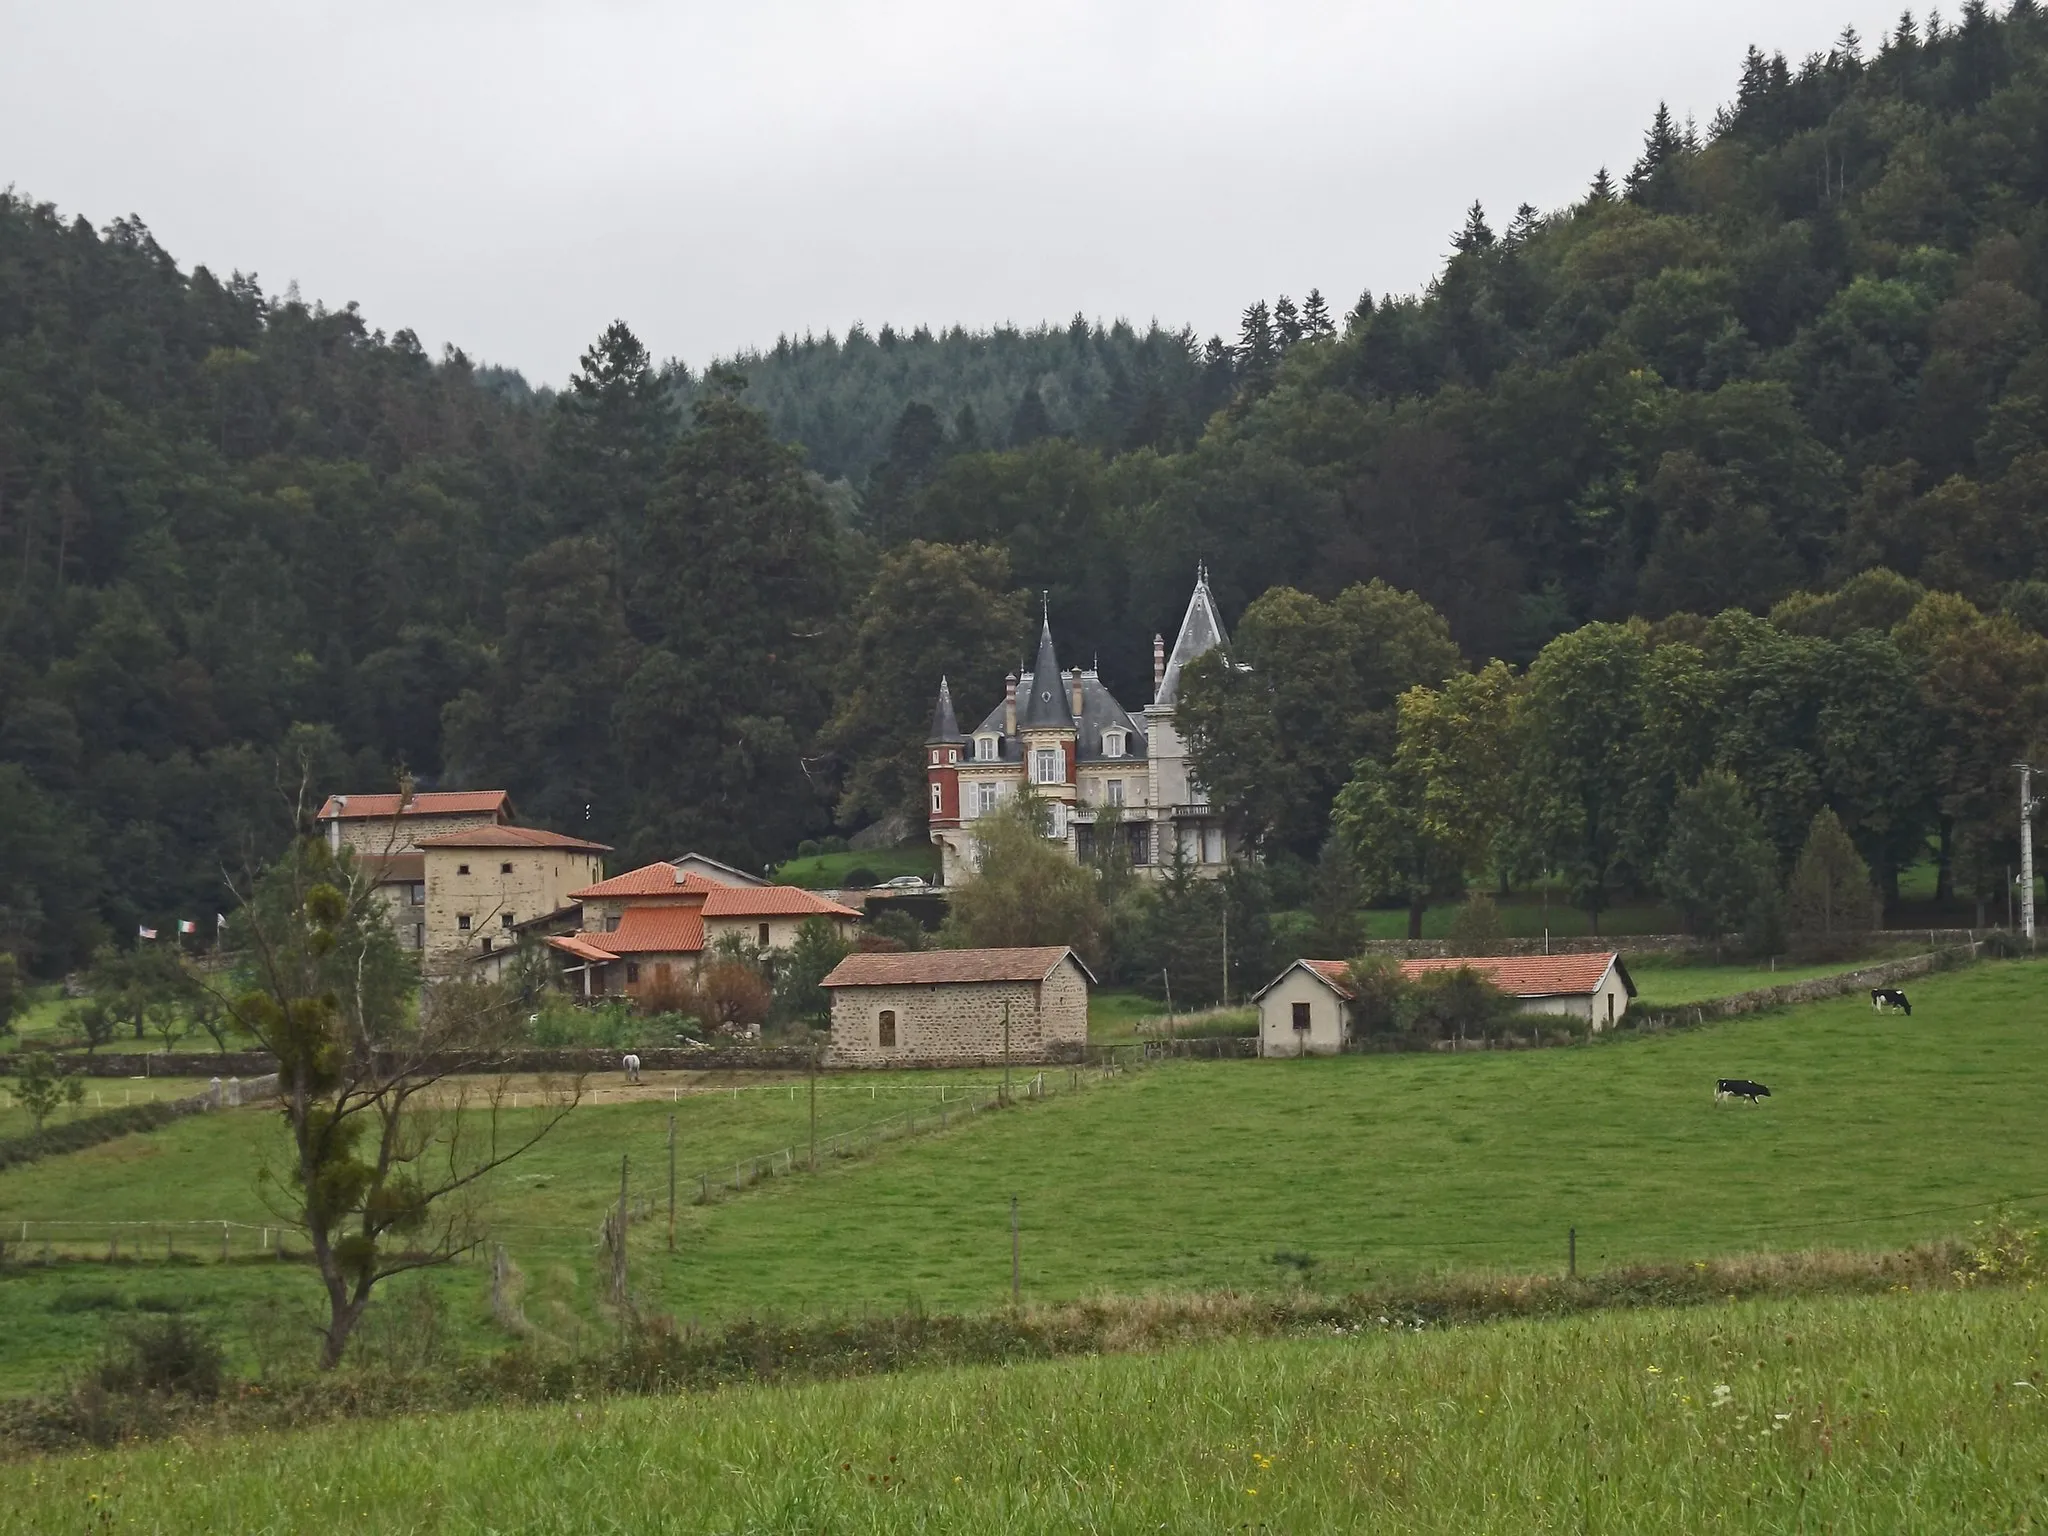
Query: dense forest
[{"x": 253, "y": 549}]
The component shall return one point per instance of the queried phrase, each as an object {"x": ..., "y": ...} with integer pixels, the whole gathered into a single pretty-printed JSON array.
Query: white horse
[{"x": 632, "y": 1066}]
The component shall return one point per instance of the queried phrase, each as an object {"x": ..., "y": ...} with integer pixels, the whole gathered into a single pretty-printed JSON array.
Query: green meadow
[
  {"x": 1189, "y": 1176},
  {"x": 1867, "y": 1417}
]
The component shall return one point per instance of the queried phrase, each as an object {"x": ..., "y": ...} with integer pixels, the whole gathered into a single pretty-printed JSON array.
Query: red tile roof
[
  {"x": 393, "y": 868},
  {"x": 1530, "y": 975},
  {"x": 769, "y": 901},
  {"x": 658, "y": 879},
  {"x": 511, "y": 837},
  {"x": 581, "y": 947},
  {"x": 939, "y": 967},
  {"x": 1516, "y": 975},
  {"x": 434, "y": 802},
  {"x": 652, "y": 930}
]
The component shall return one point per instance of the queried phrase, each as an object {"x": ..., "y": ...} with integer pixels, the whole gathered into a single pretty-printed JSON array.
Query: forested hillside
[{"x": 252, "y": 539}]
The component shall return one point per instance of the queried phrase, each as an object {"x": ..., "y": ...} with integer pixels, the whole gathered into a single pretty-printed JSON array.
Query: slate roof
[
  {"x": 1042, "y": 692},
  {"x": 945, "y": 724},
  {"x": 1201, "y": 630},
  {"x": 945, "y": 967}
]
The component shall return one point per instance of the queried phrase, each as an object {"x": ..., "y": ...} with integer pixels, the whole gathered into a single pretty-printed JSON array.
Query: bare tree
[{"x": 392, "y": 1142}]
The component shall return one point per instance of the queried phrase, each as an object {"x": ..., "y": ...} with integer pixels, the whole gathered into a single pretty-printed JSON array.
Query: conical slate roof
[
  {"x": 945, "y": 725},
  {"x": 1200, "y": 631},
  {"x": 1044, "y": 707}
]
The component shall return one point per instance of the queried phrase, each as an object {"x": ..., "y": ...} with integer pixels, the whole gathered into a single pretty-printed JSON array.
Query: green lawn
[
  {"x": 828, "y": 871},
  {"x": 1880, "y": 1131},
  {"x": 1659, "y": 982},
  {"x": 101, "y": 1093},
  {"x": 1114, "y": 1017},
  {"x": 1892, "y": 1415}
]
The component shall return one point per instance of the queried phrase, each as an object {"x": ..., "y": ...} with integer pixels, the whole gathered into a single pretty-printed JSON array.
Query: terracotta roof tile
[
  {"x": 938, "y": 967},
  {"x": 434, "y": 802},
  {"x": 1530, "y": 975},
  {"x": 652, "y": 930},
  {"x": 657, "y": 879},
  {"x": 393, "y": 868},
  {"x": 581, "y": 947},
  {"x": 511, "y": 837},
  {"x": 1516, "y": 975},
  {"x": 769, "y": 901}
]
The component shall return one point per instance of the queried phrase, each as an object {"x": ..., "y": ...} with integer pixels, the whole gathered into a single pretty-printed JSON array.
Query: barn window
[
  {"x": 764, "y": 936},
  {"x": 462, "y": 922},
  {"x": 462, "y": 869},
  {"x": 505, "y": 921},
  {"x": 505, "y": 869},
  {"x": 632, "y": 972},
  {"x": 1301, "y": 1015},
  {"x": 885, "y": 1028}
]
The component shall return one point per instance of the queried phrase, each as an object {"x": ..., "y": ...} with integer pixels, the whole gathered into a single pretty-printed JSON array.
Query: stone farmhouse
[
  {"x": 1094, "y": 763},
  {"x": 950, "y": 1005},
  {"x": 486, "y": 884},
  {"x": 1306, "y": 1009},
  {"x": 652, "y": 926},
  {"x": 384, "y": 833}
]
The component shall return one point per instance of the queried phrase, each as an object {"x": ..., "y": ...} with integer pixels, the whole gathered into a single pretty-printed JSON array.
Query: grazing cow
[
  {"x": 1884, "y": 997},
  {"x": 1740, "y": 1088},
  {"x": 632, "y": 1066}
]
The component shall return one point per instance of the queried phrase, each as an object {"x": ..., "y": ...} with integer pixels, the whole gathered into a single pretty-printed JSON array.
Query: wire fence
[{"x": 708, "y": 1185}]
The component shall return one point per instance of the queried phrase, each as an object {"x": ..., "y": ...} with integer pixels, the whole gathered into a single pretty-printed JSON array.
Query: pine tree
[
  {"x": 1527, "y": 221},
  {"x": 1287, "y": 328},
  {"x": 1602, "y": 190},
  {"x": 1315, "y": 316},
  {"x": 966, "y": 431},
  {"x": 1649, "y": 180},
  {"x": 1258, "y": 352},
  {"x": 1477, "y": 235},
  {"x": 1031, "y": 421},
  {"x": 1361, "y": 313}
]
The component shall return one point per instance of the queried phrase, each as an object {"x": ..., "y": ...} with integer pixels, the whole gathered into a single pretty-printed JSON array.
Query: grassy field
[
  {"x": 1114, "y": 1018},
  {"x": 101, "y": 1093},
  {"x": 1881, "y": 1131},
  {"x": 1661, "y": 982},
  {"x": 1896, "y": 1414},
  {"x": 828, "y": 871},
  {"x": 1523, "y": 916}
]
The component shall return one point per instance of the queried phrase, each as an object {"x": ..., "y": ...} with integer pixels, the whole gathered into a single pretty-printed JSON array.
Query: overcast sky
[{"x": 510, "y": 176}]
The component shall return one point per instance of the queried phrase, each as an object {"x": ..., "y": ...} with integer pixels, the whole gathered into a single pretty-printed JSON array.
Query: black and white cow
[
  {"x": 1882, "y": 998},
  {"x": 1740, "y": 1088}
]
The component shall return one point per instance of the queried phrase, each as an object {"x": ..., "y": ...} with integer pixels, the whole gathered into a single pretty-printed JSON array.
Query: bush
[
  {"x": 808, "y": 848},
  {"x": 2002, "y": 944},
  {"x": 1477, "y": 928},
  {"x": 859, "y": 877},
  {"x": 1455, "y": 1004},
  {"x": 832, "y": 845},
  {"x": 1377, "y": 987},
  {"x": 171, "y": 1355}
]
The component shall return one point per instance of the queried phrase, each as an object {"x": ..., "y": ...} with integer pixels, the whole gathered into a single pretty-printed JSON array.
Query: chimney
[
  {"x": 1158, "y": 664},
  {"x": 1074, "y": 692},
  {"x": 1010, "y": 705}
]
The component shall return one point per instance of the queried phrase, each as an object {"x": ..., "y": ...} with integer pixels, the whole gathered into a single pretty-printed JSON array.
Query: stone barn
[{"x": 948, "y": 1005}]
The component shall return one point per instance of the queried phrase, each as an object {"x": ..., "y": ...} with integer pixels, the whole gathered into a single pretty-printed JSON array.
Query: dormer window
[
  {"x": 984, "y": 749},
  {"x": 1113, "y": 743}
]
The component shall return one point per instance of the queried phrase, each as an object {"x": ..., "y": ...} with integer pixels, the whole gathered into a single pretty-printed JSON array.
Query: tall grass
[{"x": 1898, "y": 1413}]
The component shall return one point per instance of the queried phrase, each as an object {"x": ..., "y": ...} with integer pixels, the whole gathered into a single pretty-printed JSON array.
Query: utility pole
[
  {"x": 1016, "y": 1259},
  {"x": 1226, "y": 951},
  {"x": 2026, "y": 849},
  {"x": 814, "y": 1106},
  {"x": 1006, "y": 1059},
  {"x": 1167, "y": 981}
]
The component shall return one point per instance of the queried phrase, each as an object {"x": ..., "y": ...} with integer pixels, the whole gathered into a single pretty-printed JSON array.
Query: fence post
[
  {"x": 1571, "y": 1261},
  {"x": 671, "y": 1183},
  {"x": 1016, "y": 1269}
]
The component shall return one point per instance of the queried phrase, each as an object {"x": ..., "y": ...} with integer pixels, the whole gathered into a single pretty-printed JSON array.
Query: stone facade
[
  {"x": 961, "y": 1020},
  {"x": 476, "y": 895},
  {"x": 1100, "y": 770}
]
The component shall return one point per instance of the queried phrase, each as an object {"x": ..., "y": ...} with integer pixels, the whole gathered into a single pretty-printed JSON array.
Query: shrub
[
  {"x": 808, "y": 848},
  {"x": 1455, "y": 1004},
  {"x": 1477, "y": 928},
  {"x": 2002, "y": 944},
  {"x": 171, "y": 1355},
  {"x": 1377, "y": 987},
  {"x": 859, "y": 877}
]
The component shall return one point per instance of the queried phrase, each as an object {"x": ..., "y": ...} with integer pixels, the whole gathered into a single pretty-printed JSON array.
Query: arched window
[{"x": 885, "y": 1029}]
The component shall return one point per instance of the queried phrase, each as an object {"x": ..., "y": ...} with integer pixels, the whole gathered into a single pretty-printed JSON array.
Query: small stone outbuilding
[
  {"x": 948, "y": 1005},
  {"x": 1306, "y": 1009}
]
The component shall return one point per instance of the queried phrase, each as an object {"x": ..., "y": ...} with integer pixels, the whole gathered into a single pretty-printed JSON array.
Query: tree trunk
[
  {"x": 1944, "y": 865},
  {"x": 1416, "y": 905},
  {"x": 1888, "y": 889}
]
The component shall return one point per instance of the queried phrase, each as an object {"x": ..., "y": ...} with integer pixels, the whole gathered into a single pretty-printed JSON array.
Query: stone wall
[
  {"x": 952, "y": 1022},
  {"x": 1890, "y": 973},
  {"x": 1642, "y": 944}
]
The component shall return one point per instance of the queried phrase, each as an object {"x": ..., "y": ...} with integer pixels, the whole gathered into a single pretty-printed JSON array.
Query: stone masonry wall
[{"x": 957, "y": 1021}]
